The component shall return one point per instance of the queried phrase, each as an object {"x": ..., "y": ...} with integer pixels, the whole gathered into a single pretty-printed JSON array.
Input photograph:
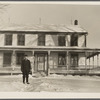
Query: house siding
[
  {"x": 1, "y": 59},
  {"x": 51, "y": 40},
  {"x": 68, "y": 38},
  {"x": 14, "y": 40},
  {"x": 31, "y": 40},
  {"x": 2, "y": 40},
  {"x": 81, "y": 57},
  {"x": 81, "y": 40}
]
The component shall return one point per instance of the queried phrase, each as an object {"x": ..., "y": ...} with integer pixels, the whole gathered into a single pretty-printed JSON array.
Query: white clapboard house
[{"x": 50, "y": 48}]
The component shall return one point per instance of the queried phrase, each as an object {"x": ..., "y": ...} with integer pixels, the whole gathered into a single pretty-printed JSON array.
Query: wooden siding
[
  {"x": 81, "y": 40},
  {"x": 31, "y": 40}
]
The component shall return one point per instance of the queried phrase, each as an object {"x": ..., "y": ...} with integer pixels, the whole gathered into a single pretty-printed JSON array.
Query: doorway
[{"x": 41, "y": 62}]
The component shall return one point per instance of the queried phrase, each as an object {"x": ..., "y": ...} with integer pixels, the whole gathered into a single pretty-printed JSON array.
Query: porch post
[
  {"x": 93, "y": 62},
  {"x": 97, "y": 60},
  {"x": 32, "y": 62},
  {"x": 89, "y": 63},
  {"x": 85, "y": 60},
  {"x": 13, "y": 60},
  {"x": 67, "y": 60},
  {"x": 48, "y": 67}
]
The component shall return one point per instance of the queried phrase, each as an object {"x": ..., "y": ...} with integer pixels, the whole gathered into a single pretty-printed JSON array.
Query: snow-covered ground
[{"x": 52, "y": 83}]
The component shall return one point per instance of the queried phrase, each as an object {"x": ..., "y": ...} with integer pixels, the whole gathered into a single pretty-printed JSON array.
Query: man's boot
[{"x": 23, "y": 79}]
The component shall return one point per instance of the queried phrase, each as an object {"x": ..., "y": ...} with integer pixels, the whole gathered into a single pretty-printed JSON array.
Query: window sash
[
  {"x": 19, "y": 58},
  {"x": 41, "y": 39},
  {"x": 8, "y": 39},
  {"x": 61, "y": 59},
  {"x": 61, "y": 40},
  {"x": 21, "y": 39},
  {"x": 74, "y": 60},
  {"x": 7, "y": 59},
  {"x": 74, "y": 40}
]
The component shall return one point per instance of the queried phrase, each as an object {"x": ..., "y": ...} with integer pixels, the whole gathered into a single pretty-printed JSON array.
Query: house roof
[{"x": 44, "y": 28}]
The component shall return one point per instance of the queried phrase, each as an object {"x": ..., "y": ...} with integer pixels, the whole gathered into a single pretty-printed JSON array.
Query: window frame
[
  {"x": 10, "y": 59},
  {"x": 22, "y": 42},
  {"x": 60, "y": 40},
  {"x": 74, "y": 37},
  {"x": 8, "y": 42},
  {"x": 64, "y": 58},
  {"x": 73, "y": 55},
  {"x": 41, "y": 42},
  {"x": 22, "y": 56}
]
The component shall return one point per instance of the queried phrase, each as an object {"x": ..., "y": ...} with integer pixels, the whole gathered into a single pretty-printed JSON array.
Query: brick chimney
[{"x": 76, "y": 22}]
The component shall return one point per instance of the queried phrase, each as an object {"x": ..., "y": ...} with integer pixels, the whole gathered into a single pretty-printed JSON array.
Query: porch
[{"x": 50, "y": 61}]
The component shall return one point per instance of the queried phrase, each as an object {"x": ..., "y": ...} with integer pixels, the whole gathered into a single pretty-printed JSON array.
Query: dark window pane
[
  {"x": 61, "y": 40},
  {"x": 62, "y": 59},
  {"x": 21, "y": 39},
  {"x": 74, "y": 40},
  {"x": 74, "y": 60},
  {"x": 8, "y": 39},
  {"x": 41, "y": 39},
  {"x": 19, "y": 58},
  {"x": 7, "y": 59}
]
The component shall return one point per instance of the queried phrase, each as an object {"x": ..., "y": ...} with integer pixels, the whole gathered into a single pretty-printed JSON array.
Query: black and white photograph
[{"x": 49, "y": 47}]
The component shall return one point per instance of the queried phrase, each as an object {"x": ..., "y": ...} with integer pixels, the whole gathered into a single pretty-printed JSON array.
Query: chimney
[{"x": 76, "y": 22}]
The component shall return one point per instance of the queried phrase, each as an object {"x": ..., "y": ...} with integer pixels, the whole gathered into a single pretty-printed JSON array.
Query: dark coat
[{"x": 25, "y": 66}]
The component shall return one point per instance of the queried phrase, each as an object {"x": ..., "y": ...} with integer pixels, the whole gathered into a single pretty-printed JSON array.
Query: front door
[{"x": 41, "y": 62}]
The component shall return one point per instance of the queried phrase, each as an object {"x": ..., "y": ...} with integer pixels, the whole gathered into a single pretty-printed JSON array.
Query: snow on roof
[{"x": 43, "y": 28}]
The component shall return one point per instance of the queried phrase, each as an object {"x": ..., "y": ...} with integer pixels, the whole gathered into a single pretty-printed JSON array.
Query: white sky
[{"x": 87, "y": 15}]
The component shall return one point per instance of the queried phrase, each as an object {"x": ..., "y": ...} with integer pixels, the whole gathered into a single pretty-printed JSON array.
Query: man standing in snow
[{"x": 25, "y": 68}]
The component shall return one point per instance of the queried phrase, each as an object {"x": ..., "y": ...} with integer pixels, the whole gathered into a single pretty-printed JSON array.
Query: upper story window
[
  {"x": 21, "y": 39},
  {"x": 41, "y": 39},
  {"x": 74, "y": 40},
  {"x": 61, "y": 40},
  {"x": 8, "y": 39}
]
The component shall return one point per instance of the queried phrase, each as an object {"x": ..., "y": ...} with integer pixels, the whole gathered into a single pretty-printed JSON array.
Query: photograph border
[{"x": 48, "y": 95}]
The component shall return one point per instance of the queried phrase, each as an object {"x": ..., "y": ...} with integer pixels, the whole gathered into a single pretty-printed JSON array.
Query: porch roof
[
  {"x": 90, "y": 52},
  {"x": 43, "y": 28}
]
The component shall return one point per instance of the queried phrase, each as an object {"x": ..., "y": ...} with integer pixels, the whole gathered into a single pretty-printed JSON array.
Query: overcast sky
[{"x": 87, "y": 15}]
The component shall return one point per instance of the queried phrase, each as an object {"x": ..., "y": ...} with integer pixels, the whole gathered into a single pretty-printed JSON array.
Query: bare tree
[{"x": 3, "y": 7}]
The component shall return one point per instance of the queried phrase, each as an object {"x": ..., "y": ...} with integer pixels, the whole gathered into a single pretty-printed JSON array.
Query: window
[
  {"x": 19, "y": 58},
  {"x": 62, "y": 59},
  {"x": 8, "y": 39},
  {"x": 41, "y": 39},
  {"x": 74, "y": 40},
  {"x": 7, "y": 59},
  {"x": 21, "y": 39},
  {"x": 74, "y": 60},
  {"x": 61, "y": 40}
]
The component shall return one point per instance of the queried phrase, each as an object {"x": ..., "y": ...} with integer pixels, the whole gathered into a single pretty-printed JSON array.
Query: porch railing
[{"x": 80, "y": 67}]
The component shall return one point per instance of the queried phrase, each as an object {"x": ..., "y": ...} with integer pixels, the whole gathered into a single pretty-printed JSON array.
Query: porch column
[
  {"x": 97, "y": 60},
  {"x": 89, "y": 63},
  {"x": 85, "y": 60},
  {"x": 13, "y": 60},
  {"x": 32, "y": 62},
  {"x": 93, "y": 62},
  {"x": 48, "y": 67},
  {"x": 67, "y": 60}
]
